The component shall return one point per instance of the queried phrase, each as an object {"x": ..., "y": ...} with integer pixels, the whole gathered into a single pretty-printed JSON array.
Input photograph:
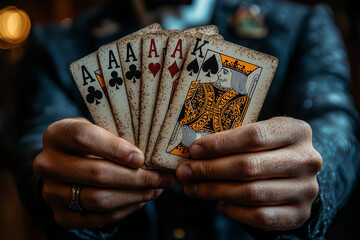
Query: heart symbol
[{"x": 154, "y": 68}]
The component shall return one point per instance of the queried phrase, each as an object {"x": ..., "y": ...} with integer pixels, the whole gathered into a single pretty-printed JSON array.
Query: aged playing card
[
  {"x": 177, "y": 48},
  {"x": 153, "y": 46},
  {"x": 208, "y": 30},
  {"x": 114, "y": 81},
  {"x": 222, "y": 86},
  {"x": 129, "y": 49},
  {"x": 88, "y": 77},
  {"x": 113, "y": 76}
]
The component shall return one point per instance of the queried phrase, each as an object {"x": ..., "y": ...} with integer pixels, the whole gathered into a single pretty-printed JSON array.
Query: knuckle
[
  {"x": 249, "y": 167},
  {"x": 313, "y": 161},
  {"x": 100, "y": 200},
  {"x": 151, "y": 180},
  {"x": 60, "y": 219},
  {"x": 302, "y": 215},
  {"x": 313, "y": 189},
  {"x": 40, "y": 164},
  {"x": 202, "y": 169},
  {"x": 258, "y": 135},
  {"x": 265, "y": 218},
  {"x": 149, "y": 195},
  {"x": 218, "y": 143},
  {"x": 116, "y": 151},
  {"x": 98, "y": 173},
  {"x": 253, "y": 194},
  {"x": 305, "y": 128},
  {"x": 46, "y": 193},
  {"x": 79, "y": 136}
]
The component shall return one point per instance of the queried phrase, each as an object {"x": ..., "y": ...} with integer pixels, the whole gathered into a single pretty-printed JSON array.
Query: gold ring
[{"x": 74, "y": 205}]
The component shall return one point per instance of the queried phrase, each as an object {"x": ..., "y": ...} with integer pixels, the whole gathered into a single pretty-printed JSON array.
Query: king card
[
  {"x": 89, "y": 80},
  {"x": 222, "y": 86},
  {"x": 177, "y": 48}
]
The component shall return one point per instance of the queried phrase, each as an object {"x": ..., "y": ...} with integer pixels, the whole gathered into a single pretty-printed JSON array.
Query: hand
[
  {"x": 113, "y": 186},
  {"x": 263, "y": 174}
]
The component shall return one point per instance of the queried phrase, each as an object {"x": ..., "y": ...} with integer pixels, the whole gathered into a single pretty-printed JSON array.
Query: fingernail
[
  {"x": 184, "y": 173},
  {"x": 166, "y": 181},
  {"x": 190, "y": 189},
  {"x": 135, "y": 159},
  {"x": 197, "y": 151}
]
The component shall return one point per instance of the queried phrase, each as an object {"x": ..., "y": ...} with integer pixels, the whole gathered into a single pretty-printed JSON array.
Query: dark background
[{"x": 14, "y": 222}]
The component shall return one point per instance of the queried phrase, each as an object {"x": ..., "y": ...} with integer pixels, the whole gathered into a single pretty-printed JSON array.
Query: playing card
[
  {"x": 177, "y": 48},
  {"x": 208, "y": 30},
  {"x": 153, "y": 46},
  {"x": 89, "y": 80},
  {"x": 114, "y": 81},
  {"x": 129, "y": 49},
  {"x": 222, "y": 86}
]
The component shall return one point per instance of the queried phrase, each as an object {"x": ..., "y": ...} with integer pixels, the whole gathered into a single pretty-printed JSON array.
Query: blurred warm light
[{"x": 14, "y": 27}]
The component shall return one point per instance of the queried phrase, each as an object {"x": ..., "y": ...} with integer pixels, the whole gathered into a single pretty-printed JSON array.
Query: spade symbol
[
  {"x": 116, "y": 81},
  {"x": 133, "y": 73},
  {"x": 193, "y": 67},
  {"x": 211, "y": 66},
  {"x": 94, "y": 95}
]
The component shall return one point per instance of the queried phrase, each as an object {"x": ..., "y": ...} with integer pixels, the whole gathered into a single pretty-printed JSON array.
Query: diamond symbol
[{"x": 173, "y": 69}]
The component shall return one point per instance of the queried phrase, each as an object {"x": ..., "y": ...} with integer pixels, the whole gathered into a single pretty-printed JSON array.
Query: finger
[
  {"x": 285, "y": 162},
  {"x": 98, "y": 173},
  {"x": 260, "y": 136},
  {"x": 255, "y": 193},
  {"x": 70, "y": 220},
  {"x": 82, "y": 136},
  {"x": 96, "y": 199},
  {"x": 284, "y": 217}
]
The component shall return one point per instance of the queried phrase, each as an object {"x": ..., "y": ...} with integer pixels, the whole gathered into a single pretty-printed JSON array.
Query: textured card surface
[
  {"x": 89, "y": 80},
  {"x": 129, "y": 49},
  {"x": 177, "y": 48},
  {"x": 222, "y": 86},
  {"x": 114, "y": 81},
  {"x": 178, "y": 44},
  {"x": 153, "y": 46}
]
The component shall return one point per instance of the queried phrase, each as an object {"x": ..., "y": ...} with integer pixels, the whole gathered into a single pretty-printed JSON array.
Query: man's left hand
[{"x": 262, "y": 174}]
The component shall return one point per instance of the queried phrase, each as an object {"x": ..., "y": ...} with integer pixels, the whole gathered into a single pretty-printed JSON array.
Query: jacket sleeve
[{"x": 320, "y": 94}]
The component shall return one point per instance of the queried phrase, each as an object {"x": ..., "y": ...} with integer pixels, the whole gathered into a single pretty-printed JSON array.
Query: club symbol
[
  {"x": 211, "y": 66},
  {"x": 193, "y": 67},
  {"x": 133, "y": 73},
  {"x": 93, "y": 95},
  {"x": 116, "y": 81}
]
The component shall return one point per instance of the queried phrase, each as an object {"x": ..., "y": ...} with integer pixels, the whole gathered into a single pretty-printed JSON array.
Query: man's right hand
[{"x": 107, "y": 167}]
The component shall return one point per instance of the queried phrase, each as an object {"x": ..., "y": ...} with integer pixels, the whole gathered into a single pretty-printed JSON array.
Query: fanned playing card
[
  {"x": 153, "y": 46},
  {"x": 88, "y": 77},
  {"x": 177, "y": 47},
  {"x": 129, "y": 49},
  {"x": 222, "y": 86},
  {"x": 114, "y": 79}
]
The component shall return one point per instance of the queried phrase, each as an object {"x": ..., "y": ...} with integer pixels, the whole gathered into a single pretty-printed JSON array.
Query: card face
[
  {"x": 88, "y": 77},
  {"x": 114, "y": 81},
  {"x": 177, "y": 47},
  {"x": 221, "y": 87},
  {"x": 129, "y": 49},
  {"x": 153, "y": 46}
]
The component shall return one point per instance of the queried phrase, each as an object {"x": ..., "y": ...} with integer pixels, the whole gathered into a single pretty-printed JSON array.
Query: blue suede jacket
[{"x": 312, "y": 83}]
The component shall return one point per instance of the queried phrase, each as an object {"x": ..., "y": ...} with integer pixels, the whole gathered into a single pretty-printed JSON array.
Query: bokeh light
[{"x": 15, "y": 27}]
